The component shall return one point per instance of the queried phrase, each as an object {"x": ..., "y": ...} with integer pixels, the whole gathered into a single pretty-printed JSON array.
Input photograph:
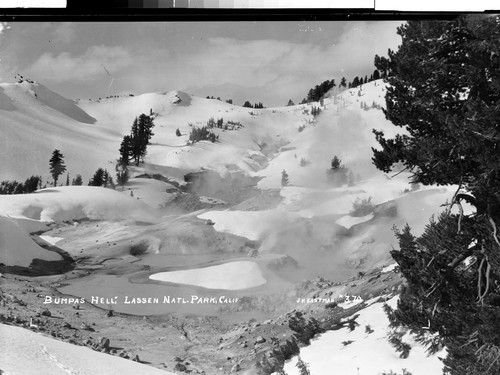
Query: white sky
[{"x": 267, "y": 62}]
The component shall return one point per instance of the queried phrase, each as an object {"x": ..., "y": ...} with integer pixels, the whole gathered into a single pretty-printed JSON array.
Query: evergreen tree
[
  {"x": 338, "y": 173},
  {"x": 178, "y": 132},
  {"x": 376, "y": 75},
  {"x": 126, "y": 150},
  {"x": 77, "y": 181},
  {"x": 31, "y": 184},
  {"x": 99, "y": 178},
  {"x": 445, "y": 93},
  {"x": 384, "y": 65},
  {"x": 247, "y": 104},
  {"x": 134, "y": 146},
  {"x": 343, "y": 82},
  {"x": 122, "y": 175},
  {"x": 284, "y": 178},
  {"x": 290, "y": 103},
  {"x": 302, "y": 366},
  {"x": 67, "y": 179},
  {"x": 56, "y": 164}
]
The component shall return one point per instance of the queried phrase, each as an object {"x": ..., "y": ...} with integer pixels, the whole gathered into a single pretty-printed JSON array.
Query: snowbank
[
  {"x": 17, "y": 248},
  {"x": 74, "y": 203},
  {"x": 228, "y": 276}
]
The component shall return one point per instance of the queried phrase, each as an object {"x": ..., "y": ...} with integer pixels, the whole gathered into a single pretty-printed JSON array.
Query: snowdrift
[
  {"x": 75, "y": 203},
  {"x": 17, "y": 248}
]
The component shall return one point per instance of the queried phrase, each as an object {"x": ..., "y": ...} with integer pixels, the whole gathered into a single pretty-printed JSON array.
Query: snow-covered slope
[
  {"x": 269, "y": 141},
  {"x": 26, "y": 352},
  {"x": 17, "y": 248},
  {"x": 366, "y": 351}
]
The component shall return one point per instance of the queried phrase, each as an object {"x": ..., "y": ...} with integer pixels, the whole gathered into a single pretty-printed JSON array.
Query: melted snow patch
[
  {"x": 228, "y": 276},
  {"x": 389, "y": 268}
]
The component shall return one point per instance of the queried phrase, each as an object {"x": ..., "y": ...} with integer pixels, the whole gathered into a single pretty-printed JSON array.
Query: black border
[{"x": 89, "y": 12}]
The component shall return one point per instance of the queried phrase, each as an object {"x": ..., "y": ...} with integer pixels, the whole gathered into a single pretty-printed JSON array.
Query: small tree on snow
[
  {"x": 303, "y": 367},
  {"x": 56, "y": 164},
  {"x": 77, "y": 180},
  {"x": 122, "y": 176},
  {"x": 284, "y": 178}
]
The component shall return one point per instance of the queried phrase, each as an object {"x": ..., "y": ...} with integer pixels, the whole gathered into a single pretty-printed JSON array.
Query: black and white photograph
[{"x": 255, "y": 197}]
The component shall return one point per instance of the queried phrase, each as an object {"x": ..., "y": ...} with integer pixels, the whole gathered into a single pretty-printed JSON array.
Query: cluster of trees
[
  {"x": 21, "y": 79},
  {"x": 101, "y": 178},
  {"x": 202, "y": 134},
  {"x": 14, "y": 187},
  {"x": 319, "y": 91},
  {"x": 219, "y": 123},
  {"x": 259, "y": 105},
  {"x": 134, "y": 146},
  {"x": 445, "y": 92},
  {"x": 315, "y": 111},
  {"x": 229, "y": 101},
  {"x": 358, "y": 81}
]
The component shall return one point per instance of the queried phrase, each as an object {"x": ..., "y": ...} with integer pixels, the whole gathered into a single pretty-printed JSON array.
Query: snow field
[
  {"x": 228, "y": 276},
  {"x": 363, "y": 353}
]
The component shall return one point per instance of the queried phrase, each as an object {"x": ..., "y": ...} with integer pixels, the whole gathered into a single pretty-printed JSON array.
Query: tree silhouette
[{"x": 56, "y": 165}]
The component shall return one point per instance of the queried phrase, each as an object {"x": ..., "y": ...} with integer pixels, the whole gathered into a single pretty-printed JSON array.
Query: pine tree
[
  {"x": 178, "y": 132},
  {"x": 56, "y": 164},
  {"x": 284, "y": 178},
  {"x": 99, "y": 178},
  {"x": 338, "y": 173},
  {"x": 67, "y": 179},
  {"x": 126, "y": 150},
  {"x": 122, "y": 175},
  {"x": 31, "y": 184},
  {"x": 376, "y": 75},
  {"x": 77, "y": 181},
  {"x": 302, "y": 366},
  {"x": 445, "y": 90},
  {"x": 343, "y": 82},
  {"x": 290, "y": 103},
  {"x": 247, "y": 104}
]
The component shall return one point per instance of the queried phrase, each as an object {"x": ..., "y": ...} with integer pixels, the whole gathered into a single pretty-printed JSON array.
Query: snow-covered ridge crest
[{"x": 25, "y": 93}]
